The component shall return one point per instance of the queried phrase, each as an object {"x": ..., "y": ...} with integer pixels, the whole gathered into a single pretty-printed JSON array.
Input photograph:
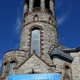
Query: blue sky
[{"x": 68, "y": 22}]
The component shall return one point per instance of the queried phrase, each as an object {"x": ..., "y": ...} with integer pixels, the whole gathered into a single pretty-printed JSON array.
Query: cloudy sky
[{"x": 68, "y": 22}]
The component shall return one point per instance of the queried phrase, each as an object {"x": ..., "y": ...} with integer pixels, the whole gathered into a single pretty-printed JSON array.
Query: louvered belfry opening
[
  {"x": 47, "y": 4},
  {"x": 36, "y": 3}
]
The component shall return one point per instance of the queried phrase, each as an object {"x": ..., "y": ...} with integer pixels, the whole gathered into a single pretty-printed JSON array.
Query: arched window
[
  {"x": 4, "y": 70},
  {"x": 12, "y": 65},
  {"x": 50, "y": 20},
  {"x": 36, "y": 17},
  {"x": 35, "y": 41},
  {"x": 67, "y": 72}
]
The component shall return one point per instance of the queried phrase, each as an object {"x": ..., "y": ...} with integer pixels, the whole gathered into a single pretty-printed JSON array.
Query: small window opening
[
  {"x": 50, "y": 20},
  {"x": 36, "y": 3},
  {"x": 47, "y": 4},
  {"x": 36, "y": 18},
  {"x": 12, "y": 65}
]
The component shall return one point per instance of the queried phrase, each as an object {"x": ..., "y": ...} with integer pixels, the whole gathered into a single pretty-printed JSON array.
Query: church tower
[
  {"x": 39, "y": 30},
  {"x": 39, "y": 33},
  {"x": 39, "y": 47}
]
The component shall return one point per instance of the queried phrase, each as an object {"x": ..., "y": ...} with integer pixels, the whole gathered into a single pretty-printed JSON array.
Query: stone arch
[
  {"x": 41, "y": 35},
  {"x": 36, "y": 26},
  {"x": 67, "y": 66}
]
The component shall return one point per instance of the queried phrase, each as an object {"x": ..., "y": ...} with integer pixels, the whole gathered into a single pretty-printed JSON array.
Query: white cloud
[
  {"x": 17, "y": 28},
  {"x": 18, "y": 21},
  {"x": 17, "y": 24},
  {"x": 63, "y": 17}
]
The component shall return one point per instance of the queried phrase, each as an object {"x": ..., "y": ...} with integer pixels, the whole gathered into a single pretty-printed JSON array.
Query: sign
[{"x": 54, "y": 76}]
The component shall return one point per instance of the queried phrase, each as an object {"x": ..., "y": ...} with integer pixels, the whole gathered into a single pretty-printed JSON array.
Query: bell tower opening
[
  {"x": 47, "y": 4},
  {"x": 27, "y": 2},
  {"x": 36, "y": 3}
]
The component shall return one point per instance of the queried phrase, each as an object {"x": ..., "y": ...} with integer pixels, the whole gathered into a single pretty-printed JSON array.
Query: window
[
  {"x": 12, "y": 65},
  {"x": 36, "y": 18},
  {"x": 67, "y": 72},
  {"x": 50, "y": 20},
  {"x": 4, "y": 70},
  {"x": 35, "y": 41}
]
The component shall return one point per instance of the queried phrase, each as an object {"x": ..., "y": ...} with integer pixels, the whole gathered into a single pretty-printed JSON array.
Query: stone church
[{"x": 39, "y": 51}]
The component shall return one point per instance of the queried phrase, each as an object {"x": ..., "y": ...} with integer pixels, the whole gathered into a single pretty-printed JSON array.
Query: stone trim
[
  {"x": 34, "y": 72},
  {"x": 36, "y": 26},
  {"x": 13, "y": 58},
  {"x": 43, "y": 11},
  {"x": 67, "y": 64},
  {"x": 40, "y": 21},
  {"x": 14, "y": 51},
  {"x": 38, "y": 57}
]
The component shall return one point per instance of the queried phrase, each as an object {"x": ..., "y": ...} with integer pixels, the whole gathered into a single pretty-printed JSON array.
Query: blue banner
[{"x": 54, "y": 76}]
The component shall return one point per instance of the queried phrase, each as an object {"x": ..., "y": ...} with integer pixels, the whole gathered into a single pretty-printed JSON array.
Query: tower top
[{"x": 39, "y": 5}]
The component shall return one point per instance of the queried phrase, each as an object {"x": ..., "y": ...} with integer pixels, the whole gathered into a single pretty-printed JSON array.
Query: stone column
[
  {"x": 42, "y": 4},
  {"x": 52, "y": 6},
  {"x": 31, "y": 2},
  {"x": 25, "y": 7}
]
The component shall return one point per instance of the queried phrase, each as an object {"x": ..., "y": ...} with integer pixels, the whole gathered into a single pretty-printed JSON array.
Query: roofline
[{"x": 71, "y": 50}]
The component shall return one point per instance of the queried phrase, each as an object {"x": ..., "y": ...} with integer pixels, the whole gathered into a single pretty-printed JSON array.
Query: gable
[{"x": 36, "y": 64}]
